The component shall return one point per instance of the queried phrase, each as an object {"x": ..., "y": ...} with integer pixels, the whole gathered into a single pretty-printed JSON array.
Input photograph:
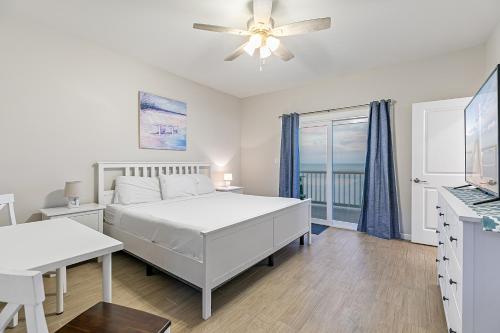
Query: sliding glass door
[
  {"x": 313, "y": 165},
  {"x": 332, "y": 154},
  {"x": 349, "y": 139}
]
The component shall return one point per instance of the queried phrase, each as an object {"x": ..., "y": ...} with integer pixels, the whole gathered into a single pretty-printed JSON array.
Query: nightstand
[
  {"x": 234, "y": 189},
  {"x": 90, "y": 215}
]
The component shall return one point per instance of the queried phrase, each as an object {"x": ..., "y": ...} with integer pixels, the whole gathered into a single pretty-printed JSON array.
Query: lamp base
[
  {"x": 228, "y": 183},
  {"x": 74, "y": 202}
]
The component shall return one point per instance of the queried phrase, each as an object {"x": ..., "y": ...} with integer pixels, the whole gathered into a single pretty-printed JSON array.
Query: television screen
[{"x": 481, "y": 137}]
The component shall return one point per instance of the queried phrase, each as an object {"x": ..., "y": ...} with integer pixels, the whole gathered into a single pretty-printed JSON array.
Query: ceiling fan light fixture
[
  {"x": 249, "y": 49},
  {"x": 255, "y": 40},
  {"x": 264, "y": 52},
  {"x": 272, "y": 43}
]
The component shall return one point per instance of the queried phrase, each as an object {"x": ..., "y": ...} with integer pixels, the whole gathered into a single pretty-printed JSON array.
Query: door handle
[{"x": 417, "y": 180}]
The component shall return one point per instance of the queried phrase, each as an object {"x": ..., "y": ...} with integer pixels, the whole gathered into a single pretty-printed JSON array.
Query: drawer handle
[
  {"x": 440, "y": 276},
  {"x": 445, "y": 258},
  {"x": 437, "y": 207},
  {"x": 440, "y": 243},
  {"x": 437, "y": 232},
  {"x": 452, "y": 282},
  {"x": 437, "y": 260},
  {"x": 452, "y": 331},
  {"x": 453, "y": 239},
  {"x": 446, "y": 224},
  {"x": 445, "y": 298},
  {"x": 441, "y": 214}
]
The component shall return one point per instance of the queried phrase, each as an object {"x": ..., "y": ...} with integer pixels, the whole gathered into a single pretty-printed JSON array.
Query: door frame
[
  {"x": 327, "y": 120},
  {"x": 418, "y": 234}
]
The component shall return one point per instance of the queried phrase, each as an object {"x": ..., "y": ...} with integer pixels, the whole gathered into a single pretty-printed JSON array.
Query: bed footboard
[{"x": 230, "y": 251}]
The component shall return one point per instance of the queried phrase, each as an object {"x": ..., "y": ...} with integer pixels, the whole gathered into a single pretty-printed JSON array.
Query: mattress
[{"x": 178, "y": 224}]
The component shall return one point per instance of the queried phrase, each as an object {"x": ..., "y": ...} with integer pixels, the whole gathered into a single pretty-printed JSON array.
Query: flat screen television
[{"x": 481, "y": 137}]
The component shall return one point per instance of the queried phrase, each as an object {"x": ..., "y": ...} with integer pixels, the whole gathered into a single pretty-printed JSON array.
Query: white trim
[
  {"x": 406, "y": 237},
  {"x": 345, "y": 225},
  {"x": 336, "y": 224}
]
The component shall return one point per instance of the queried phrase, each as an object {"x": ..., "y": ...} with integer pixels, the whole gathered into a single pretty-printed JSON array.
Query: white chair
[
  {"x": 8, "y": 200},
  {"x": 25, "y": 288},
  {"x": 18, "y": 289}
]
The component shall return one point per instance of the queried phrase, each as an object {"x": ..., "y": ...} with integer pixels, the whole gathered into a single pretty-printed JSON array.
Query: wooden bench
[{"x": 111, "y": 318}]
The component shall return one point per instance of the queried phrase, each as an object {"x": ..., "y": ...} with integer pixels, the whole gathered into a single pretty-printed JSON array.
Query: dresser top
[{"x": 464, "y": 212}]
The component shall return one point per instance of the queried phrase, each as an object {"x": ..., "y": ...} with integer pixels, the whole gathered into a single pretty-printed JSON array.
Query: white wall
[
  {"x": 493, "y": 50},
  {"x": 66, "y": 103},
  {"x": 455, "y": 75}
]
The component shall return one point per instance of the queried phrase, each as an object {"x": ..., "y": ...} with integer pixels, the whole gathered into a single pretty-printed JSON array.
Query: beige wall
[
  {"x": 455, "y": 75},
  {"x": 493, "y": 50},
  {"x": 66, "y": 103}
]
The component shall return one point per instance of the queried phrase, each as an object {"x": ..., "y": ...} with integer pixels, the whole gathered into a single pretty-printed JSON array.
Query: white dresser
[{"x": 468, "y": 268}]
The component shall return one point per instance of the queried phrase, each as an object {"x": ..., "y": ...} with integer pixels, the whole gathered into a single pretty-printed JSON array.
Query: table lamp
[
  {"x": 72, "y": 191},
  {"x": 227, "y": 179}
]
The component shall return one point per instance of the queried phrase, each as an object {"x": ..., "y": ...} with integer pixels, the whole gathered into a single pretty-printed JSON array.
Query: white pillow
[
  {"x": 173, "y": 186},
  {"x": 131, "y": 190},
  {"x": 203, "y": 184}
]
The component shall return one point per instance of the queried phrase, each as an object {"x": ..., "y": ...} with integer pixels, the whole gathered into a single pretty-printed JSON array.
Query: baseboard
[{"x": 406, "y": 237}]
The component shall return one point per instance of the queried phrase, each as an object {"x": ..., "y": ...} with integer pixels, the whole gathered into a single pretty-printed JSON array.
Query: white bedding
[{"x": 178, "y": 223}]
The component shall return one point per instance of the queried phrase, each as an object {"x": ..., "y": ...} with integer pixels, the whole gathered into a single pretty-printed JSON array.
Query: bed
[{"x": 190, "y": 237}]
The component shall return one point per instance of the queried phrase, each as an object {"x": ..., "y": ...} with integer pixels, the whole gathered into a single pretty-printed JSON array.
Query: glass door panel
[
  {"x": 313, "y": 167},
  {"x": 349, "y": 139}
]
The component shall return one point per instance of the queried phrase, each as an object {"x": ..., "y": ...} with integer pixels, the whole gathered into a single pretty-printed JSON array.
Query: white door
[{"x": 438, "y": 159}]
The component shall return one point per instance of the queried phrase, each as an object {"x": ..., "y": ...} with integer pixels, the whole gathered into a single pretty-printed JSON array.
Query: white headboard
[{"x": 141, "y": 169}]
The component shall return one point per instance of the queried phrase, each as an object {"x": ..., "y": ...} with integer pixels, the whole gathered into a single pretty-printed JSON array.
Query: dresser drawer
[
  {"x": 455, "y": 236},
  {"x": 454, "y": 281},
  {"x": 90, "y": 220},
  {"x": 453, "y": 318},
  {"x": 445, "y": 297}
]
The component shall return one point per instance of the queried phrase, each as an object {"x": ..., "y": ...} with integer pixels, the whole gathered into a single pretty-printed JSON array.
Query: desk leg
[
  {"x": 106, "y": 278},
  {"x": 60, "y": 281},
  {"x": 64, "y": 278}
]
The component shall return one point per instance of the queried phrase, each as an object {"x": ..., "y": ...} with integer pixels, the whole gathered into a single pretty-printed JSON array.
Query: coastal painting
[{"x": 162, "y": 122}]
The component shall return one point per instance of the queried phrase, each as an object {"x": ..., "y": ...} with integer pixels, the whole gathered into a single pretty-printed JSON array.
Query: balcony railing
[{"x": 347, "y": 187}]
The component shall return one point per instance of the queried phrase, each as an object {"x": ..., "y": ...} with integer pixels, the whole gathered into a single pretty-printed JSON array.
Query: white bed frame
[{"x": 226, "y": 252}]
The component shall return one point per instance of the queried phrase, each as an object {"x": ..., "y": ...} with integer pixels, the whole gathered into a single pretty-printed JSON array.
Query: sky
[{"x": 349, "y": 144}]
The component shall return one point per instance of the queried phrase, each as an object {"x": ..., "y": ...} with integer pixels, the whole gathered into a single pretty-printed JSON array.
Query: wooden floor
[{"x": 344, "y": 282}]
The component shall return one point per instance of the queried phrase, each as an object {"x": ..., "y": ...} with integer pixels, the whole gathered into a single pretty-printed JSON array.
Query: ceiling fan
[{"x": 262, "y": 34}]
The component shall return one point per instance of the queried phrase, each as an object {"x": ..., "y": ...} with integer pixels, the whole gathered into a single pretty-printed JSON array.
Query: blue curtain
[
  {"x": 380, "y": 211},
  {"x": 289, "y": 159}
]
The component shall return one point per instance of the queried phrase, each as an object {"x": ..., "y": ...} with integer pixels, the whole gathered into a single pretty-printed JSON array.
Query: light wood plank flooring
[{"x": 344, "y": 282}]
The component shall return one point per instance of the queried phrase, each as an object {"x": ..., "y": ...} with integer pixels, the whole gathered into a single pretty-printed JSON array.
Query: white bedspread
[{"x": 178, "y": 223}]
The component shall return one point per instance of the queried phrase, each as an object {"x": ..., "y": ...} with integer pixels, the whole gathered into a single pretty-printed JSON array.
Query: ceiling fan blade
[
  {"x": 217, "y": 28},
  {"x": 283, "y": 53},
  {"x": 262, "y": 11},
  {"x": 303, "y": 27},
  {"x": 236, "y": 53}
]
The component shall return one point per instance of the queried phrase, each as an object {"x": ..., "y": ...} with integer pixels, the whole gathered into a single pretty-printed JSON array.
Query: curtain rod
[{"x": 341, "y": 108}]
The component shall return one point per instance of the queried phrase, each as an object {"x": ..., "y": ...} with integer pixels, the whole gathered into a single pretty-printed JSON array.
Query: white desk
[{"x": 53, "y": 244}]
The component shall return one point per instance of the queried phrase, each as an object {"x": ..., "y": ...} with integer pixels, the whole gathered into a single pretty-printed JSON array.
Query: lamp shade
[
  {"x": 228, "y": 176},
  {"x": 73, "y": 189}
]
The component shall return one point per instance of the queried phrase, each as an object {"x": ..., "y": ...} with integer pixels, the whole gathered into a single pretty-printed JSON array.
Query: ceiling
[{"x": 365, "y": 34}]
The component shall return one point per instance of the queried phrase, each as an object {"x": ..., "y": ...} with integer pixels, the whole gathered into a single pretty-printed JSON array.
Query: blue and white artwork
[{"x": 162, "y": 122}]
